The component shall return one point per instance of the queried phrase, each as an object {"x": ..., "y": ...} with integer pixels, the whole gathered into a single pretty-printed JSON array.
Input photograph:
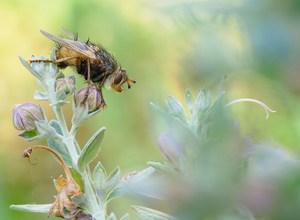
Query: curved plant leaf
[{"x": 91, "y": 149}]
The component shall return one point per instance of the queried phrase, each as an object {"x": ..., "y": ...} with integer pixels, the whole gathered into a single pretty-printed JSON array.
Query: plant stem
[
  {"x": 68, "y": 138},
  {"x": 98, "y": 212}
]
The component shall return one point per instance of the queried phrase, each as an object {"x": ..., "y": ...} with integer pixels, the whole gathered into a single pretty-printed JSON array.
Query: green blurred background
[{"x": 167, "y": 47}]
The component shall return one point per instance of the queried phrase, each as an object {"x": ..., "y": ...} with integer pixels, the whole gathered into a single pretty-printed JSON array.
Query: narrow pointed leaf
[
  {"x": 125, "y": 217},
  {"x": 113, "y": 179},
  {"x": 77, "y": 177},
  {"x": 189, "y": 100},
  {"x": 28, "y": 135},
  {"x": 99, "y": 177},
  {"x": 151, "y": 214},
  {"x": 91, "y": 149},
  {"x": 99, "y": 168},
  {"x": 38, "y": 95},
  {"x": 28, "y": 67},
  {"x": 61, "y": 149},
  {"x": 112, "y": 216},
  {"x": 115, "y": 193},
  {"x": 163, "y": 167},
  {"x": 141, "y": 175},
  {"x": 175, "y": 108},
  {"x": 44, "y": 208}
]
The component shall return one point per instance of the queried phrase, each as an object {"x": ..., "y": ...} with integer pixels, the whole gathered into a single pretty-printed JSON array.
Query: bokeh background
[{"x": 166, "y": 46}]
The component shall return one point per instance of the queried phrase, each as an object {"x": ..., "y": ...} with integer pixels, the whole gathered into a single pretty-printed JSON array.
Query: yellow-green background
[{"x": 167, "y": 47}]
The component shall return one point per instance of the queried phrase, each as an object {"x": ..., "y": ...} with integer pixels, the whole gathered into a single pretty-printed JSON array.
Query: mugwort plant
[
  {"x": 81, "y": 194},
  {"x": 210, "y": 171}
]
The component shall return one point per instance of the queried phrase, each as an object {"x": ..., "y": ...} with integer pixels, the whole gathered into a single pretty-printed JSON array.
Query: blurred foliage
[
  {"x": 167, "y": 46},
  {"x": 212, "y": 172}
]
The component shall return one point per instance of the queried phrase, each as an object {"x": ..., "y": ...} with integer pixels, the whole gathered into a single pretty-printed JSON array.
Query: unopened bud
[
  {"x": 169, "y": 147},
  {"x": 67, "y": 84},
  {"x": 88, "y": 96},
  {"x": 24, "y": 116}
]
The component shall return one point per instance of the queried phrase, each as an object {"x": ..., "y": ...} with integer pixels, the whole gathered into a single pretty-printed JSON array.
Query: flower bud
[
  {"x": 93, "y": 100},
  {"x": 169, "y": 147},
  {"x": 24, "y": 116},
  {"x": 67, "y": 84}
]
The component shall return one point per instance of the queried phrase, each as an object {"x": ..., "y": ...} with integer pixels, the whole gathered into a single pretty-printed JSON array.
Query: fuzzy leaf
[
  {"x": 113, "y": 179},
  {"x": 60, "y": 95},
  {"x": 59, "y": 103},
  {"x": 99, "y": 168},
  {"x": 125, "y": 217},
  {"x": 99, "y": 177},
  {"x": 53, "y": 53},
  {"x": 60, "y": 148},
  {"x": 60, "y": 75},
  {"x": 77, "y": 177},
  {"x": 28, "y": 135},
  {"x": 203, "y": 102},
  {"x": 42, "y": 71},
  {"x": 38, "y": 95},
  {"x": 115, "y": 193},
  {"x": 57, "y": 145},
  {"x": 99, "y": 180},
  {"x": 151, "y": 214},
  {"x": 141, "y": 175},
  {"x": 189, "y": 100},
  {"x": 44, "y": 128},
  {"x": 112, "y": 216},
  {"x": 159, "y": 110},
  {"x": 175, "y": 108},
  {"x": 54, "y": 124},
  {"x": 217, "y": 104},
  {"x": 81, "y": 115},
  {"x": 28, "y": 67},
  {"x": 163, "y": 167},
  {"x": 44, "y": 208},
  {"x": 91, "y": 149}
]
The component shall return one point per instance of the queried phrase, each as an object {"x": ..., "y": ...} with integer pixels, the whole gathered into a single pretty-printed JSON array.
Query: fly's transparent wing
[
  {"x": 71, "y": 35},
  {"x": 77, "y": 46}
]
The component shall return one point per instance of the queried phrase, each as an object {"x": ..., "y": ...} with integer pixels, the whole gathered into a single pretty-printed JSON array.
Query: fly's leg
[
  {"x": 40, "y": 61},
  {"x": 99, "y": 89},
  {"x": 88, "y": 81},
  {"x": 102, "y": 104},
  {"x": 52, "y": 61}
]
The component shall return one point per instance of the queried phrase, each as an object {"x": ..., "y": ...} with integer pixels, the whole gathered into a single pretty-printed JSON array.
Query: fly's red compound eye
[{"x": 118, "y": 78}]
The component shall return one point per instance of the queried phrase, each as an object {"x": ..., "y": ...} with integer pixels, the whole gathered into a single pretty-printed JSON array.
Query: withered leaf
[{"x": 63, "y": 206}]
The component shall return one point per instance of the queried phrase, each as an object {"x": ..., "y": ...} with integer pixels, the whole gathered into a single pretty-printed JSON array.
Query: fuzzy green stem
[
  {"x": 97, "y": 211},
  {"x": 73, "y": 130},
  {"x": 68, "y": 138}
]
